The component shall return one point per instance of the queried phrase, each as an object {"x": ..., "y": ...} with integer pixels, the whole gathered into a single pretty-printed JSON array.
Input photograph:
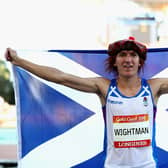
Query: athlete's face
[{"x": 127, "y": 63}]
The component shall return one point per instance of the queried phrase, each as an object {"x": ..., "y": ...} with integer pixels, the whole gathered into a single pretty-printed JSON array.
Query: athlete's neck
[
  {"x": 129, "y": 86},
  {"x": 126, "y": 82}
]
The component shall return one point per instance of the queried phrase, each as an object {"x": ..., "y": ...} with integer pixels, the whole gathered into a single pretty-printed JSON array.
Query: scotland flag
[{"x": 60, "y": 127}]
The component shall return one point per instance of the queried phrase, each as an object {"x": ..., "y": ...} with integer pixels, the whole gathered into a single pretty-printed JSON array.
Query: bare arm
[
  {"x": 159, "y": 86},
  {"x": 94, "y": 85}
]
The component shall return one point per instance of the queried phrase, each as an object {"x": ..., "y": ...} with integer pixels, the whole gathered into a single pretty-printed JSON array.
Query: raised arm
[
  {"x": 94, "y": 85},
  {"x": 159, "y": 86}
]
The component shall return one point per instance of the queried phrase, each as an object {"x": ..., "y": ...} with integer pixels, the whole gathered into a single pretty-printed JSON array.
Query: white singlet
[{"x": 130, "y": 128}]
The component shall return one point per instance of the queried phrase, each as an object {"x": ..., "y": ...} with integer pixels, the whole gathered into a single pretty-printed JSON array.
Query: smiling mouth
[{"x": 128, "y": 66}]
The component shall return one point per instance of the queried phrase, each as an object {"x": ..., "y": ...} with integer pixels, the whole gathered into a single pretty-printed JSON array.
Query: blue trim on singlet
[
  {"x": 154, "y": 105},
  {"x": 144, "y": 83},
  {"x": 108, "y": 92},
  {"x": 154, "y": 128},
  {"x": 154, "y": 124}
]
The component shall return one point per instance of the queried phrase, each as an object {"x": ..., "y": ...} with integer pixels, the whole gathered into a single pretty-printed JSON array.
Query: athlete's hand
[{"x": 11, "y": 56}]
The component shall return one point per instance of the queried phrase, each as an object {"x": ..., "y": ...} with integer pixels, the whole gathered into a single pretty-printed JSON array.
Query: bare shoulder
[
  {"x": 103, "y": 84},
  {"x": 159, "y": 86},
  {"x": 102, "y": 79}
]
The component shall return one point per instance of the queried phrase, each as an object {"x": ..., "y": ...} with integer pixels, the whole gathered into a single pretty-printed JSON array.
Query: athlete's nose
[{"x": 128, "y": 58}]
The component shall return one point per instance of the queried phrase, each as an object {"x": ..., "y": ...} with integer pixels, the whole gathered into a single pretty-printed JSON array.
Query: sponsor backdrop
[{"x": 62, "y": 127}]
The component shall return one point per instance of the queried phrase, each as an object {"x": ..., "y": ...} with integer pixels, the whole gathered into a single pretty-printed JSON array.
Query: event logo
[{"x": 145, "y": 101}]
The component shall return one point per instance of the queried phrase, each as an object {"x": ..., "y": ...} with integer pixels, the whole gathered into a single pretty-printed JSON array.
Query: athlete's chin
[{"x": 129, "y": 74}]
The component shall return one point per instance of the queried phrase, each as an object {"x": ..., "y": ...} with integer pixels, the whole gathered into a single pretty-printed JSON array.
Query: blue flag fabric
[{"x": 64, "y": 128}]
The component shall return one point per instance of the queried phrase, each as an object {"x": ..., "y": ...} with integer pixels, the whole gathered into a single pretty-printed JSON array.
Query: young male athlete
[{"x": 129, "y": 101}]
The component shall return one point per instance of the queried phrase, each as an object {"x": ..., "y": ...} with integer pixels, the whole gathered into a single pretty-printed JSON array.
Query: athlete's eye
[
  {"x": 122, "y": 54},
  {"x": 133, "y": 54}
]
